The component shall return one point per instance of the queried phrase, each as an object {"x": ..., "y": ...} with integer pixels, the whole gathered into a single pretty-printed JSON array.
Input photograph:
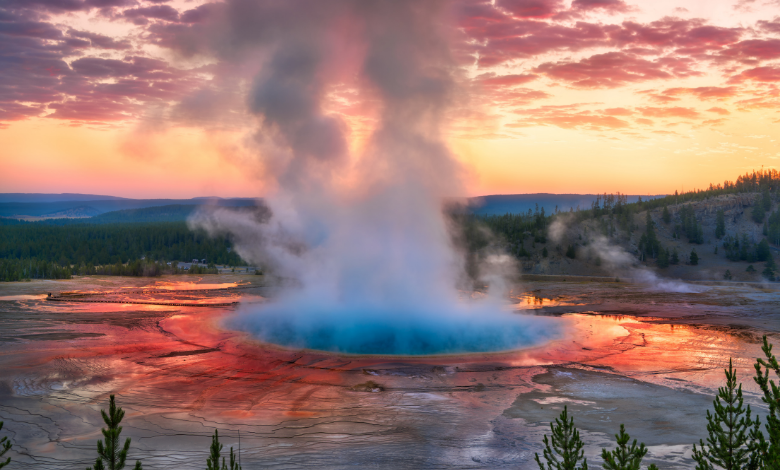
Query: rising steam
[
  {"x": 362, "y": 232},
  {"x": 617, "y": 261}
]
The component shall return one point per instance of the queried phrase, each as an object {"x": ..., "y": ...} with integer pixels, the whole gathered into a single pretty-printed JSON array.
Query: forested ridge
[
  {"x": 612, "y": 217},
  {"x": 36, "y": 250},
  {"x": 57, "y": 249}
]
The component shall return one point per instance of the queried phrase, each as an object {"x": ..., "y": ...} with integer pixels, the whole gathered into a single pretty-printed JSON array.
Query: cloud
[
  {"x": 530, "y": 8},
  {"x": 703, "y": 93},
  {"x": 617, "y": 112},
  {"x": 100, "y": 41},
  {"x": 156, "y": 12},
  {"x": 772, "y": 26},
  {"x": 34, "y": 29},
  {"x": 493, "y": 80},
  {"x": 752, "y": 51},
  {"x": 614, "y": 69},
  {"x": 670, "y": 112},
  {"x": 612, "y": 7},
  {"x": 764, "y": 74},
  {"x": 685, "y": 36},
  {"x": 717, "y": 110},
  {"x": 567, "y": 117},
  {"x": 65, "y": 6}
]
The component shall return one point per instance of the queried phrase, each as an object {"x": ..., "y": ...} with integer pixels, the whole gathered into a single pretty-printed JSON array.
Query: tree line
[
  {"x": 614, "y": 217},
  {"x": 41, "y": 251}
]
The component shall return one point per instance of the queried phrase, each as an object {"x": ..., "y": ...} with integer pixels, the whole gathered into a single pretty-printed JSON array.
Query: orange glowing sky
[{"x": 558, "y": 96}]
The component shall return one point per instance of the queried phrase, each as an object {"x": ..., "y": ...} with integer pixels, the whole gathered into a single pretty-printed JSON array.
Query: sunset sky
[{"x": 121, "y": 97}]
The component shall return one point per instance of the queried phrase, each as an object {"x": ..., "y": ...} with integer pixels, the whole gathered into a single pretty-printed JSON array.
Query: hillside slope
[{"x": 601, "y": 247}]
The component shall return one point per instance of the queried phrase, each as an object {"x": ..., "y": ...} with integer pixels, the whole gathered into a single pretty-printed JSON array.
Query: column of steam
[{"x": 375, "y": 263}]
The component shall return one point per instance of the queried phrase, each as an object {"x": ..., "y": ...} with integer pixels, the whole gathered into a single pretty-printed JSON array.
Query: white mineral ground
[{"x": 632, "y": 355}]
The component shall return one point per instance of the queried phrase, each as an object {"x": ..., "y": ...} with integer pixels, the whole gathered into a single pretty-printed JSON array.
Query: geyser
[{"x": 360, "y": 227}]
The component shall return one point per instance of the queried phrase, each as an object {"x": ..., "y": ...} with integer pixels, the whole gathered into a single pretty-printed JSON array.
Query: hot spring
[{"x": 366, "y": 330}]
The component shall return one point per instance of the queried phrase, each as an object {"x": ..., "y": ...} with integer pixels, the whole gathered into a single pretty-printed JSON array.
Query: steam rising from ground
[
  {"x": 618, "y": 262},
  {"x": 362, "y": 233}
]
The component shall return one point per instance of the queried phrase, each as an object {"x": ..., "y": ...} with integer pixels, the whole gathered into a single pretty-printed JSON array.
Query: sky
[{"x": 150, "y": 98}]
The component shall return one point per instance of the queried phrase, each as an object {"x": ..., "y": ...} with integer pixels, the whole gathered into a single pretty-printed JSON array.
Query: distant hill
[
  {"x": 521, "y": 203},
  {"x": 28, "y": 210},
  {"x": 76, "y": 212},
  {"x": 171, "y": 213},
  {"x": 36, "y": 206},
  {"x": 64, "y": 197}
]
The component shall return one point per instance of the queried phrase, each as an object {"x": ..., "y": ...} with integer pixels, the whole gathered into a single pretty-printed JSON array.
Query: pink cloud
[
  {"x": 530, "y": 8},
  {"x": 156, "y": 12},
  {"x": 674, "y": 111},
  {"x": 505, "y": 80},
  {"x": 703, "y": 93},
  {"x": 568, "y": 117},
  {"x": 717, "y": 110},
  {"x": 753, "y": 50},
  {"x": 614, "y": 69},
  {"x": 609, "y": 6},
  {"x": 758, "y": 74}
]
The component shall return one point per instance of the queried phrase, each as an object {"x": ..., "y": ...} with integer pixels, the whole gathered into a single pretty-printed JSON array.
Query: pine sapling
[
  {"x": 212, "y": 463},
  {"x": 731, "y": 430},
  {"x": 233, "y": 462},
  {"x": 769, "y": 451},
  {"x": 5, "y": 445},
  {"x": 110, "y": 456},
  {"x": 565, "y": 450},
  {"x": 624, "y": 457}
]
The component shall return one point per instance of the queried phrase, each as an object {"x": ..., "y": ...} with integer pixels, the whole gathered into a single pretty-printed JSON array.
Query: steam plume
[
  {"x": 363, "y": 234},
  {"x": 618, "y": 262}
]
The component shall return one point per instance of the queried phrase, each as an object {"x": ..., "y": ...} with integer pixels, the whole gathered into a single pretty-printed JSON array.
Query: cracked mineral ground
[{"x": 630, "y": 354}]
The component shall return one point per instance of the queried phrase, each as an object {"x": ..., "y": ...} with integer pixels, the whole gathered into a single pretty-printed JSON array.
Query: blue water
[{"x": 390, "y": 332}]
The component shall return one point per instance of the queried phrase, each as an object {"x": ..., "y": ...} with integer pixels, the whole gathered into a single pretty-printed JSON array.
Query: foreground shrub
[
  {"x": 769, "y": 450},
  {"x": 212, "y": 463},
  {"x": 732, "y": 432},
  {"x": 5, "y": 445},
  {"x": 110, "y": 456},
  {"x": 625, "y": 457},
  {"x": 565, "y": 450}
]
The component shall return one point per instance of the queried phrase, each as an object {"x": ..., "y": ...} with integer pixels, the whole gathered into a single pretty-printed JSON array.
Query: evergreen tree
[
  {"x": 571, "y": 252},
  {"x": 758, "y": 213},
  {"x": 666, "y": 216},
  {"x": 720, "y": 224},
  {"x": 769, "y": 268},
  {"x": 694, "y": 258},
  {"x": 675, "y": 258},
  {"x": 649, "y": 243},
  {"x": 763, "y": 253},
  {"x": 727, "y": 275},
  {"x": 5, "y": 445},
  {"x": 769, "y": 451},
  {"x": 766, "y": 200},
  {"x": 233, "y": 463},
  {"x": 663, "y": 258},
  {"x": 730, "y": 428},
  {"x": 544, "y": 252},
  {"x": 565, "y": 450},
  {"x": 110, "y": 456},
  {"x": 624, "y": 457},
  {"x": 212, "y": 463}
]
